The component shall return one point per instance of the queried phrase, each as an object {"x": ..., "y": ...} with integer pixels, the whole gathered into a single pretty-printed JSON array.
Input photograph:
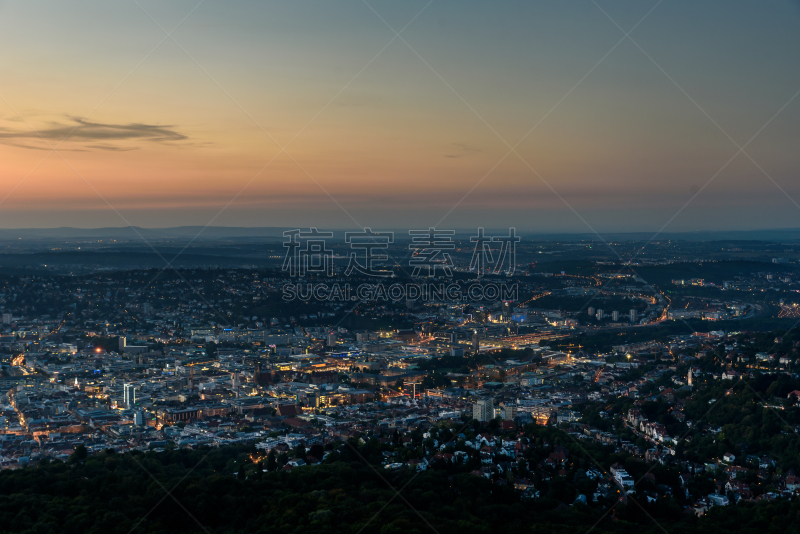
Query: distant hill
[
  {"x": 272, "y": 233},
  {"x": 779, "y": 234},
  {"x": 136, "y": 232}
]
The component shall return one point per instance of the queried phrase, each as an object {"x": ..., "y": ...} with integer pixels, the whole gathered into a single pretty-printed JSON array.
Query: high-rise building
[
  {"x": 483, "y": 410},
  {"x": 122, "y": 344},
  {"x": 615, "y": 315},
  {"x": 591, "y": 311},
  {"x": 129, "y": 395},
  {"x": 509, "y": 412},
  {"x": 633, "y": 315},
  {"x": 331, "y": 339},
  {"x": 6, "y": 318},
  {"x": 138, "y": 418},
  {"x": 235, "y": 383},
  {"x": 601, "y": 314},
  {"x": 413, "y": 389},
  {"x": 476, "y": 344}
]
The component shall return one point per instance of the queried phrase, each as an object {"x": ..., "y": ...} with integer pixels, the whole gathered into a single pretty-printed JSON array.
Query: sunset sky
[{"x": 386, "y": 133}]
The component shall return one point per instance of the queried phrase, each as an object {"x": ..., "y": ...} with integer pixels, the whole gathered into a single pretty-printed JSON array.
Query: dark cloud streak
[{"x": 84, "y": 130}]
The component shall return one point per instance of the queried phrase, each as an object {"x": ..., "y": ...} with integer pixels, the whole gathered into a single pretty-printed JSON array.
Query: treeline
[
  {"x": 225, "y": 490},
  {"x": 750, "y": 417}
]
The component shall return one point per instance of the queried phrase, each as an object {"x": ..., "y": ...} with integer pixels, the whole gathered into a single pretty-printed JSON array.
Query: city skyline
[
  {"x": 687, "y": 124},
  {"x": 399, "y": 267}
]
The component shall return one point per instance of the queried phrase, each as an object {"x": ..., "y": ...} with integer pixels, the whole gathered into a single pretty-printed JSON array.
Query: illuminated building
[
  {"x": 483, "y": 410},
  {"x": 129, "y": 395}
]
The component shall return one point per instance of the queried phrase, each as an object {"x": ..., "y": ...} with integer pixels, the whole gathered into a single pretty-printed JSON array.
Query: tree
[
  {"x": 272, "y": 463},
  {"x": 211, "y": 349},
  {"x": 79, "y": 455},
  {"x": 317, "y": 451}
]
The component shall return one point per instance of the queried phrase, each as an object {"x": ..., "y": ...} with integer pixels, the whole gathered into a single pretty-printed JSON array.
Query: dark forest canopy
[{"x": 222, "y": 490}]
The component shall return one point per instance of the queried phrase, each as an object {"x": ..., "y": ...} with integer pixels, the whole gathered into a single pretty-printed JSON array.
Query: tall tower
[
  {"x": 235, "y": 378},
  {"x": 129, "y": 395}
]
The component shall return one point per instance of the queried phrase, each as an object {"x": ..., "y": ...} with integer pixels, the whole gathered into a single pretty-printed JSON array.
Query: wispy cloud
[
  {"x": 83, "y": 130},
  {"x": 112, "y": 147},
  {"x": 464, "y": 149}
]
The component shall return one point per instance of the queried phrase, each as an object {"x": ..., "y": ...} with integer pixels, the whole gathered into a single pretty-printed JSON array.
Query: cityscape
[{"x": 428, "y": 314}]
